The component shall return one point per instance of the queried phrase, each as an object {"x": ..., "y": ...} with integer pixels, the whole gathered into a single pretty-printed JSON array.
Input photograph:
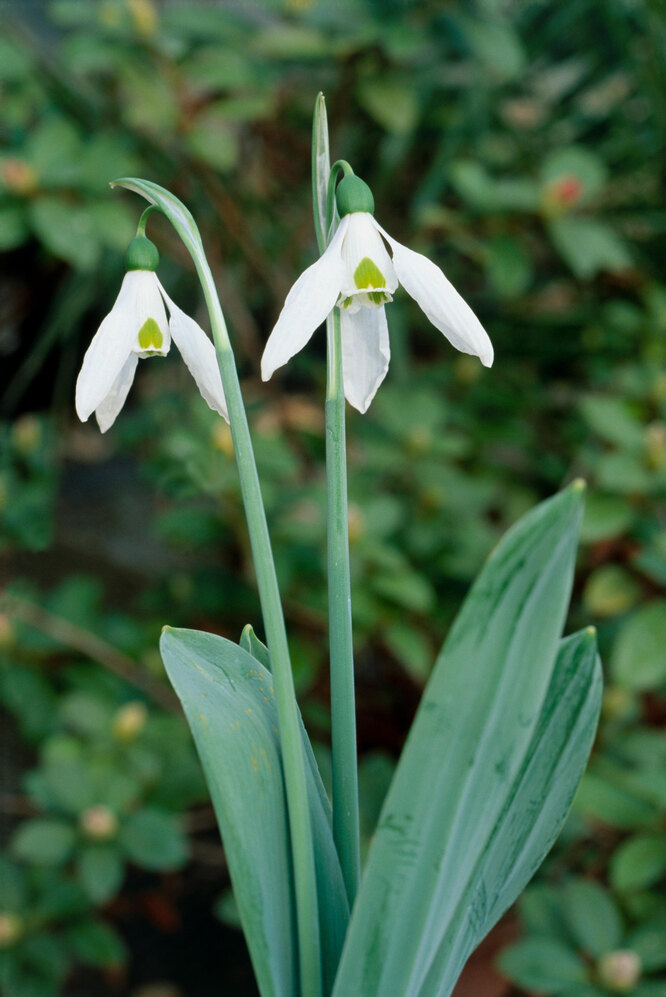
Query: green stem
[
  {"x": 343, "y": 712},
  {"x": 290, "y": 736}
]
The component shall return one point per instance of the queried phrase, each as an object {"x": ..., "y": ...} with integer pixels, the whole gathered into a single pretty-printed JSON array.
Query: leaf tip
[{"x": 578, "y": 485}]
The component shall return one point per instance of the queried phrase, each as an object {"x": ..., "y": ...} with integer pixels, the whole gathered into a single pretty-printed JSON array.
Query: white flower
[
  {"x": 137, "y": 327},
  {"x": 356, "y": 274}
]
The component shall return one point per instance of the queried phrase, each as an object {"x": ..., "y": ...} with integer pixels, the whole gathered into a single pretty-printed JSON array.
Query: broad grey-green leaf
[
  {"x": 222, "y": 692},
  {"x": 464, "y": 755},
  {"x": 333, "y": 906},
  {"x": 228, "y": 700},
  {"x": 536, "y": 808}
]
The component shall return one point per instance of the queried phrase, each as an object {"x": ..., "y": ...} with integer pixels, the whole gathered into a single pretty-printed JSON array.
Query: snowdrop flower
[
  {"x": 357, "y": 275},
  {"x": 137, "y": 327}
]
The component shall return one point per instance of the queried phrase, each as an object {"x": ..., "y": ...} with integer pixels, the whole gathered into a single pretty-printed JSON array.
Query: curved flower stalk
[
  {"x": 137, "y": 327},
  {"x": 302, "y": 853},
  {"x": 357, "y": 275}
]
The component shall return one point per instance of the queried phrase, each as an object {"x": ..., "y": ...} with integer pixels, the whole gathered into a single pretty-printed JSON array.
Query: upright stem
[
  {"x": 290, "y": 734},
  {"x": 343, "y": 712}
]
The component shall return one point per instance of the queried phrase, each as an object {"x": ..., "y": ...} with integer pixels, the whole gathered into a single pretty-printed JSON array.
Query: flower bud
[
  {"x": 142, "y": 254},
  {"x": 352, "y": 195},
  {"x": 620, "y": 970},
  {"x": 99, "y": 823},
  {"x": 129, "y": 721}
]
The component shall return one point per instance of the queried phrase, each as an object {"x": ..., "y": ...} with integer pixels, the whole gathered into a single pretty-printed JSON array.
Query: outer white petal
[
  {"x": 308, "y": 303},
  {"x": 440, "y": 301},
  {"x": 107, "y": 410},
  {"x": 365, "y": 354},
  {"x": 108, "y": 351},
  {"x": 199, "y": 355}
]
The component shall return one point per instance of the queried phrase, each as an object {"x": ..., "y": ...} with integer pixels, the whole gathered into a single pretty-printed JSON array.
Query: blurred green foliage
[{"x": 519, "y": 145}]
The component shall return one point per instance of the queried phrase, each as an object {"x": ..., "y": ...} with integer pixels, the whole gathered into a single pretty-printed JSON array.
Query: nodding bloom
[
  {"x": 357, "y": 275},
  {"x": 137, "y": 327}
]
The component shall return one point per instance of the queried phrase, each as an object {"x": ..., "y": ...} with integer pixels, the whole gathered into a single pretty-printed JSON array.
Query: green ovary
[
  {"x": 368, "y": 276},
  {"x": 150, "y": 335}
]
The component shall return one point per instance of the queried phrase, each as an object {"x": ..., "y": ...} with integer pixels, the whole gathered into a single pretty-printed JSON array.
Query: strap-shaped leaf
[
  {"x": 535, "y": 811},
  {"x": 463, "y": 756},
  {"x": 228, "y": 699},
  {"x": 331, "y": 894}
]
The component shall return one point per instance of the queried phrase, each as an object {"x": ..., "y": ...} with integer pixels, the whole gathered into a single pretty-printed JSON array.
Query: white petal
[
  {"x": 363, "y": 241},
  {"x": 308, "y": 303},
  {"x": 199, "y": 355},
  {"x": 365, "y": 354},
  {"x": 440, "y": 301},
  {"x": 106, "y": 411},
  {"x": 109, "y": 349}
]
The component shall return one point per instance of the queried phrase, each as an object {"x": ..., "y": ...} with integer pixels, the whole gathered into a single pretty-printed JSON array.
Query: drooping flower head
[
  {"x": 357, "y": 275},
  {"x": 135, "y": 328}
]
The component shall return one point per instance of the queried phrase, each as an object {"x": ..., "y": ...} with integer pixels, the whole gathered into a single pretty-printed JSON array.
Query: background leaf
[{"x": 639, "y": 659}]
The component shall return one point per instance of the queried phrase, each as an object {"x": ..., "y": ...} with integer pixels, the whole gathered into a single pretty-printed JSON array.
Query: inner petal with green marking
[
  {"x": 151, "y": 339},
  {"x": 368, "y": 276}
]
